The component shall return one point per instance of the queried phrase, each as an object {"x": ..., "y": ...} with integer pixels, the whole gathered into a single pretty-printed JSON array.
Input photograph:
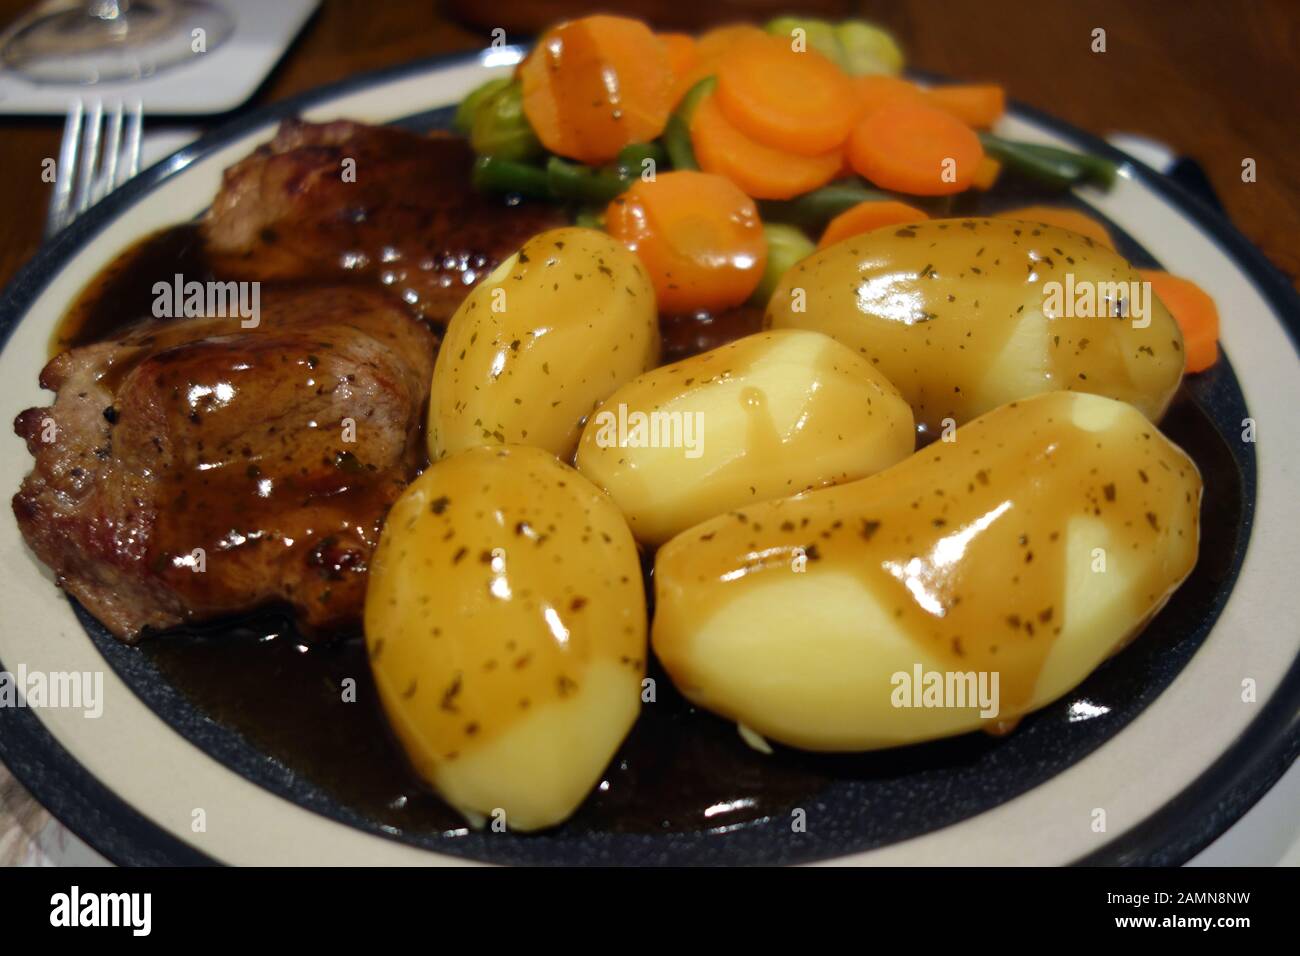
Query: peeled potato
[
  {"x": 539, "y": 343},
  {"x": 1031, "y": 547},
  {"x": 964, "y": 315},
  {"x": 505, "y": 620},
  {"x": 763, "y": 417}
]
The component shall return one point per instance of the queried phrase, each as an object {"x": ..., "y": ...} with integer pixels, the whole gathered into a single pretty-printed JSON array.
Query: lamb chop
[
  {"x": 192, "y": 467},
  {"x": 345, "y": 199}
]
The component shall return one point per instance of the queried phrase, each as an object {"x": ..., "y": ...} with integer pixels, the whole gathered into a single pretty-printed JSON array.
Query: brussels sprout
[
  {"x": 500, "y": 128},
  {"x": 468, "y": 108},
  {"x": 590, "y": 217},
  {"x": 865, "y": 48},
  {"x": 818, "y": 34},
  {"x": 856, "y": 46},
  {"x": 786, "y": 245}
]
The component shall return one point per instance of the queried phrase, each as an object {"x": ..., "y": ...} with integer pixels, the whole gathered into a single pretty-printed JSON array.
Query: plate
[{"x": 1154, "y": 755}]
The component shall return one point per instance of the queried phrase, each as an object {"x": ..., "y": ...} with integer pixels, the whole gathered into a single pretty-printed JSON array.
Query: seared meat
[
  {"x": 402, "y": 212},
  {"x": 194, "y": 468}
]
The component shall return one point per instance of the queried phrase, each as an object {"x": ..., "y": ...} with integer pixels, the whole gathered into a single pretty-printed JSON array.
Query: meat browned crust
[
  {"x": 194, "y": 468},
  {"x": 339, "y": 199}
]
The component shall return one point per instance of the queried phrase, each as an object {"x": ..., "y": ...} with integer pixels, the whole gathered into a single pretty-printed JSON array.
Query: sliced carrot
[
  {"x": 880, "y": 89},
  {"x": 698, "y": 236},
  {"x": 977, "y": 105},
  {"x": 799, "y": 102},
  {"x": 683, "y": 58},
  {"x": 712, "y": 45},
  {"x": 987, "y": 172},
  {"x": 916, "y": 149},
  {"x": 866, "y": 216},
  {"x": 594, "y": 85},
  {"x": 716, "y": 43},
  {"x": 761, "y": 171},
  {"x": 1070, "y": 219},
  {"x": 1194, "y": 311}
]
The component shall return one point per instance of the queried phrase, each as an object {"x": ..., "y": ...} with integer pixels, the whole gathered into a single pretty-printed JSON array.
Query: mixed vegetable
[{"x": 726, "y": 158}]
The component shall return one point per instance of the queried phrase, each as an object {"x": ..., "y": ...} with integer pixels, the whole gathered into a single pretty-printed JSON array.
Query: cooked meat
[
  {"x": 191, "y": 468},
  {"x": 194, "y": 468},
  {"x": 401, "y": 212}
]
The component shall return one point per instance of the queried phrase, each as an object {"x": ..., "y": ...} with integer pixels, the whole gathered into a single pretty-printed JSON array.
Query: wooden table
[{"x": 1215, "y": 79}]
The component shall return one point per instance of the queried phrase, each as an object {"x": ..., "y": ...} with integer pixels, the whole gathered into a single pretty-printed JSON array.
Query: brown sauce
[
  {"x": 679, "y": 769},
  {"x": 122, "y": 294}
]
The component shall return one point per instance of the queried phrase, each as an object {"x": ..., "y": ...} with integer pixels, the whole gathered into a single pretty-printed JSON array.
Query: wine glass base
[{"x": 69, "y": 47}]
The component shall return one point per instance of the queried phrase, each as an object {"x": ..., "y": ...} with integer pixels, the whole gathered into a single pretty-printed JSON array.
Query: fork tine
[
  {"x": 107, "y": 179},
  {"x": 89, "y": 158},
  {"x": 134, "y": 131},
  {"x": 93, "y": 161},
  {"x": 65, "y": 172}
]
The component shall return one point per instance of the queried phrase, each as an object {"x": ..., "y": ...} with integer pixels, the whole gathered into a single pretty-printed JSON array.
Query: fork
[{"x": 93, "y": 160}]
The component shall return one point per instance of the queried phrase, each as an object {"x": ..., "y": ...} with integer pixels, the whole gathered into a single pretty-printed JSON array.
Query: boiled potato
[
  {"x": 1013, "y": 559},
  {"x": 505, "y": 620},
  {"x": 540, "y": 342},
  {"x": 763, "y": 417},
  {"x": 964, "y": 315}
]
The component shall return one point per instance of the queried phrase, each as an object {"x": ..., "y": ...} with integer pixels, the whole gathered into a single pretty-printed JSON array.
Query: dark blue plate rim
[{"x": 1172, "y": 834}]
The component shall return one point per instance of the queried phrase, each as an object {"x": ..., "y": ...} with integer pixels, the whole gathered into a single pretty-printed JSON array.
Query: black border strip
[{"x": 1215, "y": 799}]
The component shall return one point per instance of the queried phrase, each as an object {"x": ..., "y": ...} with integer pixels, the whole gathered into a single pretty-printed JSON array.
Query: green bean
[
  {"x": 786, "y": 245},
  {"x": 677, "y": 143},
  {"x": 694, "y": 96},
  {"x": 583, "y": 183},
  {"x": 677, "y": 134},
  {"x": 501, "y": 128},
  {"x": 496, "y": 175},
  {"x": 812, "y": 211},
  {"x": 468, "y": 108},
  {"x": 631, "y": 159},
  {"x": 1058, "y": 168},
  {"x": 1095, "y": 168},
  {"x": 1054, "y": 171}
]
